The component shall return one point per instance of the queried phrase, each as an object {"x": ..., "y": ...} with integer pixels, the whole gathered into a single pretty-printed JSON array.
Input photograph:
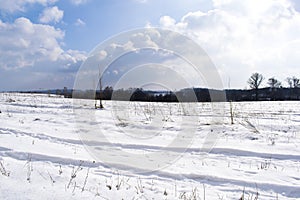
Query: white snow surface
[{"x": 42, "y": 155}]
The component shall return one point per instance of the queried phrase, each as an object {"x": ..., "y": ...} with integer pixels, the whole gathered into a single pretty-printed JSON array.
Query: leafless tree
[
  {"x": 274, "y": 83},
  {"x": 293, "y": 82},
  {"x": 101, "y": 92},
  {"x": 296, "y": 82},
  {"x": 289, "y": 80},
  {"x": 255, "y": 81}
]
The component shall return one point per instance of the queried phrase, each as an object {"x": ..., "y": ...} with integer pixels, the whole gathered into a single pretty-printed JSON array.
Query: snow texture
[{"x": 42, "y": 155}]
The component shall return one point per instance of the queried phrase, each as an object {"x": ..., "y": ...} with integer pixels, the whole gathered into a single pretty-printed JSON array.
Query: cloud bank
[{"x": 245, "y": 36}]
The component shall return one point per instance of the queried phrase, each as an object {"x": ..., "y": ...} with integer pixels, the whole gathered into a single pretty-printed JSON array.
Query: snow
[{"x": 49, "y": 149}]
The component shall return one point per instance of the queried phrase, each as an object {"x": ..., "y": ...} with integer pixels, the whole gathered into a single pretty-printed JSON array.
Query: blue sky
[{"x": 44, "y": 42}]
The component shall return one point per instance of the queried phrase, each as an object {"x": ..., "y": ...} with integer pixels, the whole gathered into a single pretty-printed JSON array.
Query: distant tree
[
  {"x": 296, "y": 82},
  {"x": 255, "y": 81},
  {"x": 107, "y": 93},
  {"x": 274, "y": 83},
  {"x": 289, "y": 80},
  {"x": 293, "y": 82}
]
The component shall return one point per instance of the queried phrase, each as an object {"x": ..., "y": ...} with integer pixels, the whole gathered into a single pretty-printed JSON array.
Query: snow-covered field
[{"x": 44, "y": 155}]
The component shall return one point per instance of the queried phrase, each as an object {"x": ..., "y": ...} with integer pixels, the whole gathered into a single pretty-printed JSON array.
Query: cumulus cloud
[
  {"x": 167, "y": 21},
  {"x": 19, "y": 5},
  {"x": 51, "y": 14},
  {"x": 25, "y": 44},
  {"x": 245, "y": 36},
  {"x": 141, "y": 47}
]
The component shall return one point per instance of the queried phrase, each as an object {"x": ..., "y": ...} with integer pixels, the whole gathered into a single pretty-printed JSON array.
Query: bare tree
[
  {"x": 255, "y": 81},
  {"x": 296, "y": 82},
  {"x": 289, "y": 80},
  {"x": 293, "y": 82},
  {"x": 101, "y": 92},
  {"x": 274, "y": 83}
]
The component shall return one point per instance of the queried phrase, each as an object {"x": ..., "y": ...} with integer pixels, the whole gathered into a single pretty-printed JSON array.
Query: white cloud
[
  {"x": 78, "y": 2},
  {"x": 52, "y": 14},
  {"x": 19, "y": 5},
  {"x": 79, "y": 22},
  {"x": 167, "y": 21},
  {"x": 99, "y": 56},
  {"x": 136, "y": 40},
  {"x": 143, "y": 40},
  {"x": 246, "y": 36},
  {"x": 25, "y": 44}
]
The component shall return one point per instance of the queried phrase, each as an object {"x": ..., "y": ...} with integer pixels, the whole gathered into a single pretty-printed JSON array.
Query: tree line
[
  {"x": 273, "y": 92},
  {"x": 256, "y": 79}
]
